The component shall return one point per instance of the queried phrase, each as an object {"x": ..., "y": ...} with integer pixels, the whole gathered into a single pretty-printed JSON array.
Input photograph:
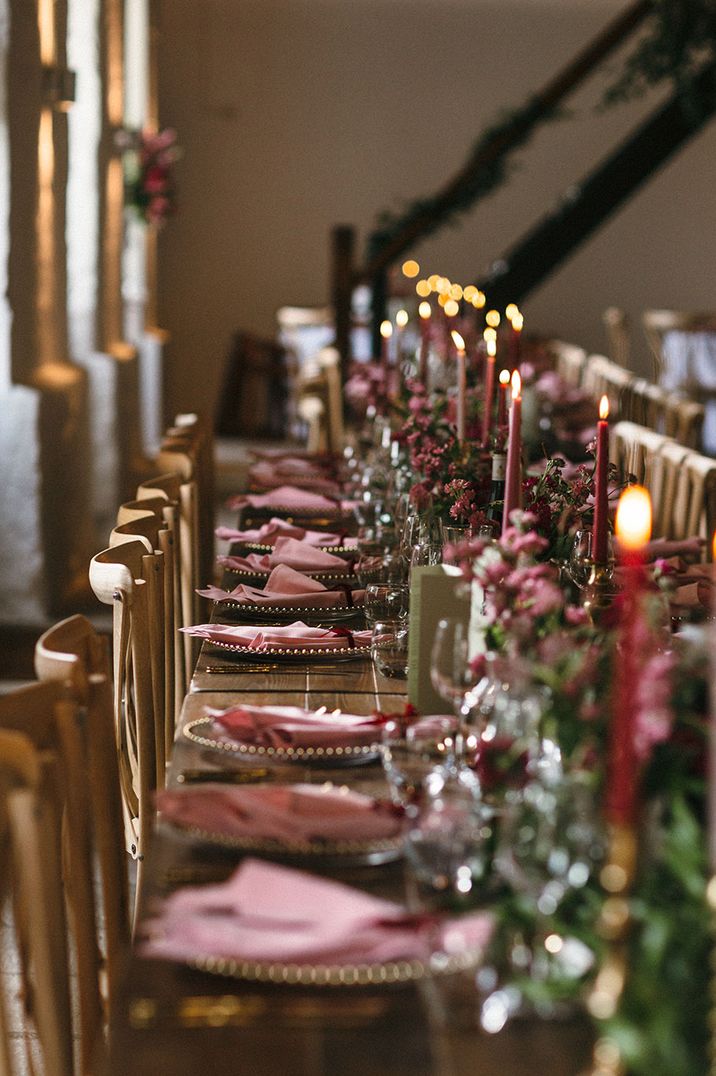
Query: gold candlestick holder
[
  {"x": 599, "y": 591},
  {"x": 617, "y": 878}
]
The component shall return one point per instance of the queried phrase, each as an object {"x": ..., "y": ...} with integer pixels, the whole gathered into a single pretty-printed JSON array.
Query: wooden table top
[{"x": 171, "y": 1019}]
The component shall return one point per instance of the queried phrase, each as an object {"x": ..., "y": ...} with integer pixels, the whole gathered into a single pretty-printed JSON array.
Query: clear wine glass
[
  {"x": 450, "y": 672},
  {"x": 579, "y": 566}
]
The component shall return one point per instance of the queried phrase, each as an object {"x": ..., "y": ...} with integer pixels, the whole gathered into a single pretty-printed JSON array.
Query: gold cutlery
[{"x": 228, "y": 777}]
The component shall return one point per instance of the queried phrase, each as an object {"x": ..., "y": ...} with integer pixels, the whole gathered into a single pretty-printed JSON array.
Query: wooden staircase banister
[
  {"x": 588, "y": 204},
  {"x": 548, "y": 98}
]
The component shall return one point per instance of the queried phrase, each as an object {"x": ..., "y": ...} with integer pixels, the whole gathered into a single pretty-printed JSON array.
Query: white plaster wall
[
  {"x": 295, "y": 115},
  {"x": 21, "y": 563}
]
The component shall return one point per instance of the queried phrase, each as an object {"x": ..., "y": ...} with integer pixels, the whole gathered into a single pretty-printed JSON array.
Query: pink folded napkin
[
  {"x": 267, "y": 476},
  {"x": 299, "y": 555},
  {"x": 680, "y": 547},
  {"x": 291, "y": 636},
  {"x": 284, "y": 813},
  {"x": 287, "y": 497},
  {"x": 269, "y": 913},
  {"x": 292, "y": 726},
  {"x": 696, "y": 595},
  {"x": 277, "y": 528},
  {"x": 286, "y": 586}
]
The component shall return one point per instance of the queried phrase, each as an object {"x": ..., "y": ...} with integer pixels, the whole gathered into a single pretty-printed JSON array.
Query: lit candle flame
[
  {"x": 604, "y": 408},
  {"x": 713, "y": 548},
  {"x": 489, "y": 334},
  {"x": 386, "y": 330},
  {"x": 510, "y": 310},
  {"x": 491, "y": 347},
  {"x": 516, "y": 384},
  {"x": 504, "y": 377},
  {"x": 423, "y": 288},
  {"x": 458, "y": 341},
  {"x": 451, "y": 308},
  {"x": 517, "y": 322},
  {"x": 401, "y": 319},
  {"x": 633, "y": 520},
  {"x": 492, "y": 317},
  {"x": 425, "y": 310}
]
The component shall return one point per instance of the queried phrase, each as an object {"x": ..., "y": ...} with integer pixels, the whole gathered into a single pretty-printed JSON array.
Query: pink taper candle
[
  {"x": 600, "y": 540},
  {"x": 621, "y": 794},
  {"x": 489, "y": 390},
  {"x": 425, "y": 312},
  {"x": 502, "y": 390},
  {"x": 461, "y": 384},
  {"x": 513, "y": 474}
]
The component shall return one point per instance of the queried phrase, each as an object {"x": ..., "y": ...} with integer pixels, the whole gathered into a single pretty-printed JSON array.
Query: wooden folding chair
[
  {"x": 116, "y": 579},
  {"x": 73, "y": 653},
  {"x": 43, "y": 759}
]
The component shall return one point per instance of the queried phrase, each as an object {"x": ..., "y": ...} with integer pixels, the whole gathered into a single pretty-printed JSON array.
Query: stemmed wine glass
[{"x": 450, "y": 672}]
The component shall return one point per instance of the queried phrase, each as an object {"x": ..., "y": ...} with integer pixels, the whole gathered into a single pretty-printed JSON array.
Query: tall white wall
[{"x": 296, "y": 115}]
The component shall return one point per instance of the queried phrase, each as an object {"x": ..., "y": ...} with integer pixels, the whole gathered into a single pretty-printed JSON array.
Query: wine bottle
[{"x": 497, "y": 488}]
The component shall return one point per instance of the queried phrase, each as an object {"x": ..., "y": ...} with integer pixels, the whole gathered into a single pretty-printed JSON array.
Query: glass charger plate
[
  {"x": 385, "y": 973},
  {"x": 370, "y": 852},
  {"x": 204, "y": 731},
  {"x": 307, "y": 613},
  {"x": 292, "y": 653}
]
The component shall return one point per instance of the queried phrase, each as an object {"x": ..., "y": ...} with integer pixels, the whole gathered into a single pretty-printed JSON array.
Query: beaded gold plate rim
[
  {"x": 385, "y": 973},
  {"x": 363, "y": 752},
  {"x": 338, "y": 550},
  {"x": 320, "y": 612},
  {"x": 380, "y": 849},
  {"x": 337, "y": 653},
  {"x": 320, "y": 576}
]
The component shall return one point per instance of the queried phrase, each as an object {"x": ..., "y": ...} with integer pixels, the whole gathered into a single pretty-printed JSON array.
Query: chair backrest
[
  {"x": 683, "y": 419},
  {"x": 181, "y": 496},
  {"x": 166, "y": 515},
  {"x": 116, "y": 579},
  {"x": 616, "y": 324},
  {"x": 569, "y": 361},
  {"x": 694, "y": 506},
  {"x": 73, "y": 653},
  {"x": 602, "y": 377},
  {"x": 54, "y": 904}
]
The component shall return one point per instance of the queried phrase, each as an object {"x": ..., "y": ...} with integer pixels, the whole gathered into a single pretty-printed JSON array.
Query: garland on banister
[
  {"x": 516, "y": 127},
  {"x": 681, "y": 40}
]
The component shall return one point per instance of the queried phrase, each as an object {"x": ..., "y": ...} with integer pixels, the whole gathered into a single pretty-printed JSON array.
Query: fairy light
[
  {"x": 410, "y": 268},
  {"x": 452, "y": 309},
  {"x": 401, "y": 319},
  {"x": 423, "y": 288},
  {"x": 492, "y": 317}
]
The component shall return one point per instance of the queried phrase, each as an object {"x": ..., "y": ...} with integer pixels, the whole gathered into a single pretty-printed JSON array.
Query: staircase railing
[{"x": 466, "y": 188}]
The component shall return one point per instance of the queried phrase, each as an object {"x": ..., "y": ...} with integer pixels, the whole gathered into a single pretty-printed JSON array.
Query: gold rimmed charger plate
[
  {"x": 346, "y": 551},
  {"x": 368, "y": 852},
  {"x": 342, "y": 578},
  {"x": 197, "y": 731},
  {"x": 293, "y": 653},
  {"x": 385, "y": 973},
  {"x": 323, "y": 614}
]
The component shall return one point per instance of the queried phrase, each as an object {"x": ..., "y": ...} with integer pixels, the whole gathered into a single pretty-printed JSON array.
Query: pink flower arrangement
[{"x": 150, "y": 181}]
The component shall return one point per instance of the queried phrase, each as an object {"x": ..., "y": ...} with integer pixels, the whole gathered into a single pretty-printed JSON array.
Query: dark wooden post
[
  {"x": 378, "y": 310},
  {"x": 342, "y": 244}
]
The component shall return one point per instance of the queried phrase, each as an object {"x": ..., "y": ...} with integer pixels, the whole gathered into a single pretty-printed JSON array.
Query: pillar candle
[
  {"x": 513, "y": 473},
  {"x": 600, "y": 540},
  {"x": 489, "y": 383}
]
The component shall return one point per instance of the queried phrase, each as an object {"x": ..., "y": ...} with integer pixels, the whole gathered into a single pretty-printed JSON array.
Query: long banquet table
[{"x": 169, "y": 1018}]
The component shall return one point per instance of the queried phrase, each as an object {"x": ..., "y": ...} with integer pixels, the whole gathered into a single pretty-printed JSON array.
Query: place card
[{"x": 436, "y": 591}]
